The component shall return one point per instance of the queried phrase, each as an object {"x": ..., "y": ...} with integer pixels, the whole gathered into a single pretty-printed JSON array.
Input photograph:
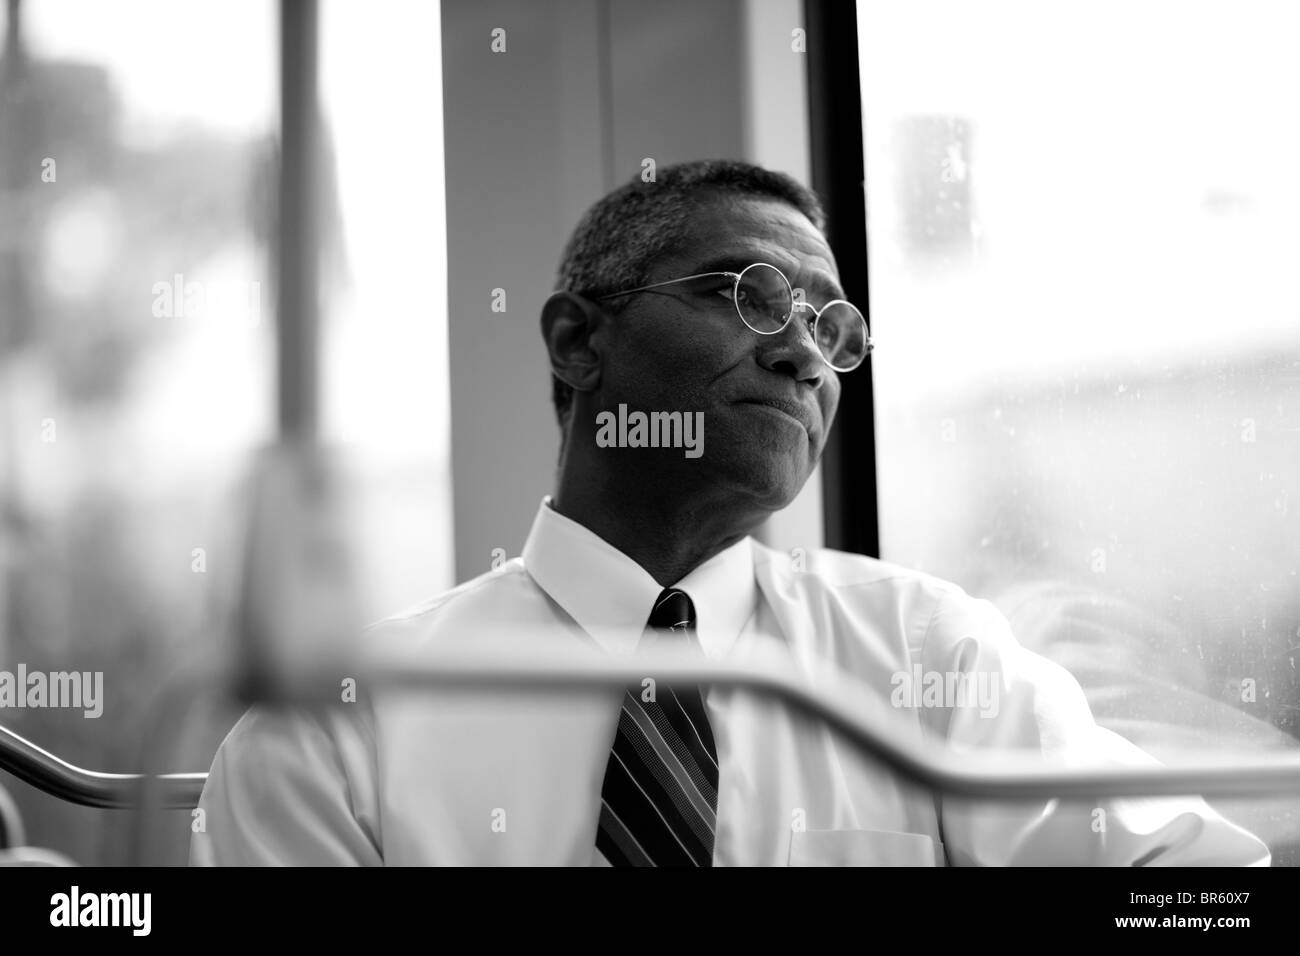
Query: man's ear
[{"x": 569, "y": 322}]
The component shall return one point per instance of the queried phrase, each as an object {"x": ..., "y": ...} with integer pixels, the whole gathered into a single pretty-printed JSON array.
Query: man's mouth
[{"x": 793, "y": 410}]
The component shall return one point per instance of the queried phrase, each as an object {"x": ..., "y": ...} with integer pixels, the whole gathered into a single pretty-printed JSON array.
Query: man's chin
[{"x": 770, "y": 486}]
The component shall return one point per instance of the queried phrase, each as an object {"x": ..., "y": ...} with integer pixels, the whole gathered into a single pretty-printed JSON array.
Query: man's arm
[
  {"x": 1034, "y": 706},
  {"x": 290, "y": 788}
]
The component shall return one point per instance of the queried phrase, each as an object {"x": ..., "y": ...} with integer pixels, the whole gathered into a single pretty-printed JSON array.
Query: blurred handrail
[
  {"x": 533, "y": 665},
  {"x": 89, "y": 788},
  {"x": 12, "y": 833}
]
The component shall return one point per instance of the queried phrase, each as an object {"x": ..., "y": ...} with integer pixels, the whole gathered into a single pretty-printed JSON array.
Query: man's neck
[{"x": 669, "y": 539}]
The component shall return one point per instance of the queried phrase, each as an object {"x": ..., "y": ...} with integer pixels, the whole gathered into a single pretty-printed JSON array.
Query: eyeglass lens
[{"x": 763, "y": 298}]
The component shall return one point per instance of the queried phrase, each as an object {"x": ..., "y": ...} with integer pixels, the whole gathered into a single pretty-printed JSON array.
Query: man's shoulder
[
  {"x": 506, "y": 594},
  {"x": 850, "y": 573},
  {"x": 852, "y": 608}
]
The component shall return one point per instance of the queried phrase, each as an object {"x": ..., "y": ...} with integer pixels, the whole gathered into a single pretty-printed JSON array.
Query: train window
[
  {"x": 1081, "y": 281},
  {"x": 138, "y": 174}
]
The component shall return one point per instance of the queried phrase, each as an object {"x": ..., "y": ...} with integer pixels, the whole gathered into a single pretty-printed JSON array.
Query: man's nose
[{"x": 793, "y": 351}]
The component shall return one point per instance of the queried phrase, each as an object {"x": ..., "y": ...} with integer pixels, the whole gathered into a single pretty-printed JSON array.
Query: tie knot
[{"x": 673, "y": 611}]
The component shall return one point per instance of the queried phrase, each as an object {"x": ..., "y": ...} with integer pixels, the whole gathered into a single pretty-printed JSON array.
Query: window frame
[{"x": 850, "y": 511}]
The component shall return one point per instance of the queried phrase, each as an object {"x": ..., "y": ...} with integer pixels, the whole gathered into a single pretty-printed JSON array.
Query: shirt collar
[{"x": 610, "y": 595}]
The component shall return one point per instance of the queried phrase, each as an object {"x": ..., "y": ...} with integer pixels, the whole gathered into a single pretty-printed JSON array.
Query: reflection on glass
[{"x": 1082, "y": 256}]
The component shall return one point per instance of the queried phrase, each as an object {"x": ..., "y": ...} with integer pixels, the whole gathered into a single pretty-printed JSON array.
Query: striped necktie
[{"x": 659, "y": 801}]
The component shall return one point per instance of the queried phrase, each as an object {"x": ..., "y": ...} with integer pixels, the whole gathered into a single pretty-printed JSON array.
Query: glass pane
[
  {"x": 135, "y": 357},
  {"x": 1082, "y": 235},
  {"x": 138, "y": 174}
]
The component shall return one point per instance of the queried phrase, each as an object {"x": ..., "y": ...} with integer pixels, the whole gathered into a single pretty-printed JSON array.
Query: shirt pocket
[{"x": 863, "y": 848}]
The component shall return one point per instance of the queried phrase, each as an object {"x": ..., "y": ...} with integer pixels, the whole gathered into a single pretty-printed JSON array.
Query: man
[{"x": 709, "y": 296}]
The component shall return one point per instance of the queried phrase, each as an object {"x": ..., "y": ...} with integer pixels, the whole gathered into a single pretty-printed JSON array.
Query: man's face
[{"x": 683, "y": 348}]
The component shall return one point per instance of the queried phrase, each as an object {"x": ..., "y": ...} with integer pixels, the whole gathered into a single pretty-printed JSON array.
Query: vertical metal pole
[
  {"x": 835, "y": 128},
  {"x": 297, "y": 331},
  {"x": 298, "y": 310}
]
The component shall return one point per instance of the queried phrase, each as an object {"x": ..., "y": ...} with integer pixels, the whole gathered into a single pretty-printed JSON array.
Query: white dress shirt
[{"x": 488, "y": 778}]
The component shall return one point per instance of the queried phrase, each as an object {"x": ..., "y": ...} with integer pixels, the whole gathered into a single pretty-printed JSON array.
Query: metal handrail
[
  {"x": 868, "y": 723},
  {"x": 89, "y": 788},
  {"x": 12, "y": 832}
]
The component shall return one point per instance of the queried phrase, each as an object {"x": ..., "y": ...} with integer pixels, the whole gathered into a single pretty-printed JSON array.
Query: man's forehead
[{"x": 728, "y": 235}]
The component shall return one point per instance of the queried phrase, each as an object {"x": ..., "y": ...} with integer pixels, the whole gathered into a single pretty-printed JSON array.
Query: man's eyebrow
[
  {"x": 820, "y": 285},
  {"x": 727, "y": 262}
]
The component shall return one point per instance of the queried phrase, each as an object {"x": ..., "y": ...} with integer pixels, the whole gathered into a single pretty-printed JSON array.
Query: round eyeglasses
[{"x": 765, "y": 301}]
